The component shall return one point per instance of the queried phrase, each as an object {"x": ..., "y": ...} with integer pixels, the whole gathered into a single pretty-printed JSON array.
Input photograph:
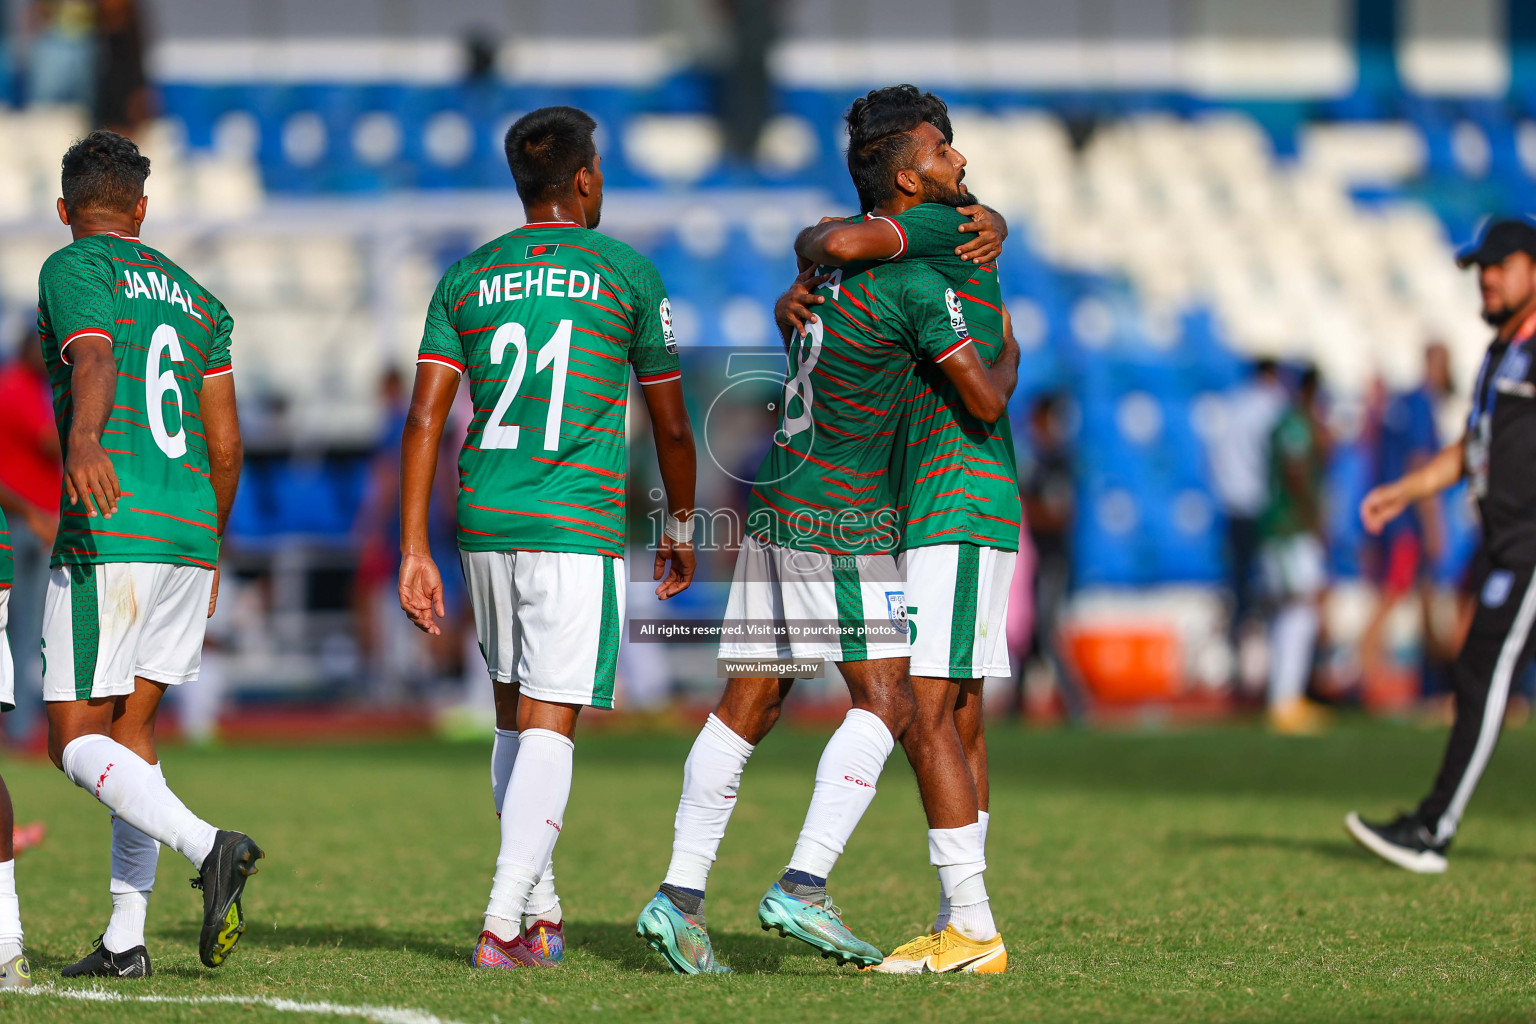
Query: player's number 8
[
  {"x": 156, "y": 387},
  {"x": 798, "y": 390}
]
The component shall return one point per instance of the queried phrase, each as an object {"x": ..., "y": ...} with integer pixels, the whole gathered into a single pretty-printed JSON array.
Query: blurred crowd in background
[{"x": 1230, "y": 270}]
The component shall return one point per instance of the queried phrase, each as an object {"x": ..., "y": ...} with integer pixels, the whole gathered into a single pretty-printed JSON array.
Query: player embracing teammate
[
  {"x": 546, "y": 321},
  {"x": 889, "y": 441}
]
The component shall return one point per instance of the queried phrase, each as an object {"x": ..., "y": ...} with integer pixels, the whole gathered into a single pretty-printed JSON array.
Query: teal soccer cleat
[
  {"x": 820, "y": 924},
  {"x": 684, "y": 944}
]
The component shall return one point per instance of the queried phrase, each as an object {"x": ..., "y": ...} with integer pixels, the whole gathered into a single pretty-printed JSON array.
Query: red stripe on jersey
[
  {"x": 571, "y": 504},
  {"x": 130, "y": 536},
  {"x": 973, "y": 298},
  {"x": 477, "y": 330},
  {"x": 167, "y": 515},
  {"x": 84, "y": 332},
  {"x": 595, "y": 352},
  {"x": 125, "y": 321},
  {"x": 660, "y": 378},
  {"x": 956, "y": 347},
  {"x": 551, "y": 224},
  {"x": 549, "y": 515},
  {"x": 432, "y": 357},
  {"x": 197, "y": 561},
  {"x": 599, "y": 305},
  {"x": 219, "y": 371},
  {"x": 579, "y": 465}
]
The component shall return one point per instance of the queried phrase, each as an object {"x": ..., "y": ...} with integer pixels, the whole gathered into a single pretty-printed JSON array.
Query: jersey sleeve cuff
[
  {"x": 84, "y": 332},
  {"x": 433, "y": 357},
  {"x": 218, "y": 371},
  {"x": 901, "y": 236},
  {"x": 956, "y": 347},
  {"x": 660, "y": 377}
]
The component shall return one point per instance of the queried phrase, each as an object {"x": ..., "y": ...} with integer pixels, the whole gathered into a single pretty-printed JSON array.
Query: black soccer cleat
[
  {"x": 101, "y": 962},
  {"x": 222, "y": 879},
  {"x": 1404, "y": 841}
]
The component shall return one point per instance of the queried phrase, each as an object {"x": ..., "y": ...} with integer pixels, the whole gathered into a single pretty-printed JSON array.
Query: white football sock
[
  {"x": 531, "y": 818},
  {"x": 134, "y": 791},
  {"x": 711, "y": 777},
  {"x": 503, "y": 756},
  {"x": 1292, "y": 639},
  {"x": 543, "y": 902},
  {"x": 845, "y": 784},
  {"x": 959, "y": 854},
  {"x": 10, "y": 912},
  {"x": 134, "y": 859},
  {"x": 973, "y": 920},
  {"x": 941, "y": 921}
]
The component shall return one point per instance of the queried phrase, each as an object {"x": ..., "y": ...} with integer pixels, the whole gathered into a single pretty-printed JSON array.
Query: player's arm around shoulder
[
  {"x": 942, "y": 335},
  {"x": 839, "y": 241}
]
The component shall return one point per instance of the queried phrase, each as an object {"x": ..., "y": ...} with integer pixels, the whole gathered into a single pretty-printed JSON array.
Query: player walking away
[
  {"x": 15, "y": 972},
  {"x": 1295, "y": 558},
  {"x": 1496, "y": 454},
  {"x": 822, "y": 527},
  {"x": 547, "y": 320},
  {"x": 958, "y": 503},
  {"x": 144, "y": 395}
]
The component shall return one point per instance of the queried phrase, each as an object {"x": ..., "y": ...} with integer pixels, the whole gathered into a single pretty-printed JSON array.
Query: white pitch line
[{"x": 379, "y": 1014}]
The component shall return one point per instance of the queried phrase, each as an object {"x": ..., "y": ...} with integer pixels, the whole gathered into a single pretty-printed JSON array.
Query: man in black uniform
[{"x": 1497, "y": 454}]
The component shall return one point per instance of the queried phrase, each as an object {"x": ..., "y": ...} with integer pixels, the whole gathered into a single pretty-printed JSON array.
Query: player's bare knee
[{"x": 750, "y": 707}]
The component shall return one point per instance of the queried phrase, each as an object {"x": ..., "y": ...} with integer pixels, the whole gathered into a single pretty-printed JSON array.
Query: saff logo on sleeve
[
  {"x": 956, "y": 316},
  {"x": 541, "y": 250},
  {"x": 668, "y": 335}
]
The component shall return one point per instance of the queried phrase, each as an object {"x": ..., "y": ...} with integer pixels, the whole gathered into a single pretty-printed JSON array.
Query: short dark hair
[
  {"x": 880, "y": 124},
  {"x": 545, "y": 149},
  {"x": 1266, "y": 366},
  {"x": 103, "y": 171}
]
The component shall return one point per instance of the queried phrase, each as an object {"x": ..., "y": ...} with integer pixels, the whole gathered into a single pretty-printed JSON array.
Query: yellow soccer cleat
[{"x": 947, "y": 952}]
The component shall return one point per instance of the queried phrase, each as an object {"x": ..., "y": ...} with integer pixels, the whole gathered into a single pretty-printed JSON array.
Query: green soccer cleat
[
  {"x": 683, "y": 943},
  {"x": 820, "y": 924}
]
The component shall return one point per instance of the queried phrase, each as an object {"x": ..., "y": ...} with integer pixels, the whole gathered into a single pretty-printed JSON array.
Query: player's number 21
[{"x": 557, "y": 353}]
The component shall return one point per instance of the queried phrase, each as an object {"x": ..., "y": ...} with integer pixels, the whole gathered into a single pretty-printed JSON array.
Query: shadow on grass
[
  {"x": 321, "y": 937},
  {"x": 744, "y": 952},
  {"x": 1342, "y": 848}
]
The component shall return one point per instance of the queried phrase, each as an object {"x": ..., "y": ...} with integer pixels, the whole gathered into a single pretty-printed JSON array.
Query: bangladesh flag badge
[{"x": 541, "y": 249}]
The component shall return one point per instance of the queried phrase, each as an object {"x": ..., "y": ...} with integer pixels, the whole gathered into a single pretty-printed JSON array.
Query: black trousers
[
  {"x": 1242, "y": 553},
  {"x": 1498, "y": 645}
]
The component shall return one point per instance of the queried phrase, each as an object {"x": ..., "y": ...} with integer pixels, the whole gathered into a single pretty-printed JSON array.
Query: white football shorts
[
  {"x": 957, "y": 605},
  {"x": 106, "y": 625},
  {"x": 825, "y": 602},
  {"x": 7, "y": 666},
  {"x": 549, "y": 621}
]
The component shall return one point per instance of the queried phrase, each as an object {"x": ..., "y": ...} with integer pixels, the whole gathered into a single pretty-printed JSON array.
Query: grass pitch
[{"x": 1182, "y": 876}]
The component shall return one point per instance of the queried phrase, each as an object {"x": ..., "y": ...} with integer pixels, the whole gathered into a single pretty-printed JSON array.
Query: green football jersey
[
  {"x": 7, "y": 555},
  {"x": 825, "y": 483},
  {"x": 547, "y": 320},
  {"x": 959, "y": 480},
  {"x": 168, "y": 335}
]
